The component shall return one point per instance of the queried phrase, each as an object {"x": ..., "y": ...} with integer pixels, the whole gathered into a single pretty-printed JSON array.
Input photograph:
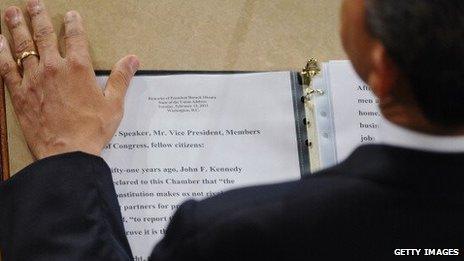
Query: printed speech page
[
  {"x": 195, "y": 136},
  {"x": 356, "y": 114}
]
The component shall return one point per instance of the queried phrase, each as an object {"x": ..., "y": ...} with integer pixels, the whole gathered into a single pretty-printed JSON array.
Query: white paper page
[
  {"x": 355, "y": 109},
  {"x": 192, "y": 136}
]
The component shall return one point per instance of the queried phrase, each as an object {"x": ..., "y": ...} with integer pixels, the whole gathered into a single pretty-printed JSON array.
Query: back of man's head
[{"x": 424, "y": 38}]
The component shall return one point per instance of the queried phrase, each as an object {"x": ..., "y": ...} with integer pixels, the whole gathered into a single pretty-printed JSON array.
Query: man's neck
[{"x": 411, "y": 117}]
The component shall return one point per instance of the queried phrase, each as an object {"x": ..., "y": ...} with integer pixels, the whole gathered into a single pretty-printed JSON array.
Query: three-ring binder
[
  {"x": 311, "y": 70},
  {"x": 315, "y": 98}
]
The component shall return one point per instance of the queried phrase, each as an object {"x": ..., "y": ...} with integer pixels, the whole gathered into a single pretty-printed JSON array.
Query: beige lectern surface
[{"x": 197, "y": 35}]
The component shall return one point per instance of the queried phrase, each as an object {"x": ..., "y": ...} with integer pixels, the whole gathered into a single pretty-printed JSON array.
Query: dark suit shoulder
[
  {"x": 376, "y": 194},
  {"x": 322, "y": 188},
  {"x": 259, "y": 221},
  {"x": 215, "y": 227}
]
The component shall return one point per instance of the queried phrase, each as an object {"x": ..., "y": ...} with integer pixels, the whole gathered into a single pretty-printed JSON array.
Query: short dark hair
[{"x": 424, "y": 38}]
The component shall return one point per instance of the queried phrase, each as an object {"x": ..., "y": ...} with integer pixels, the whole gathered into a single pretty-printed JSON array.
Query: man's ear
[{"x": 383, "y": 74}]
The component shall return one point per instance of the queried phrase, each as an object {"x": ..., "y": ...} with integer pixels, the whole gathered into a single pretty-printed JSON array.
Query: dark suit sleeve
[{"x": 62, "y": 208}]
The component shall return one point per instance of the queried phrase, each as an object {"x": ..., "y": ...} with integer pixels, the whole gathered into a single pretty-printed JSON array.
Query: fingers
[
  {"x": 22, "y": 39},
  {"x": 75, "y": 38},
  {"x": 44, "y": 34},
  {"x": 8, "y": 69},
  {"x": 120, "y": 78}
]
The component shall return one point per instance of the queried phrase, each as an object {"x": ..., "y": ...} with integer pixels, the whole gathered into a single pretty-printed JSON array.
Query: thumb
[{"x": 120, "y": 77}]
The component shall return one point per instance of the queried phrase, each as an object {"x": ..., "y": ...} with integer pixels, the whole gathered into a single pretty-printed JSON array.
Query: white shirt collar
[{"x": 392, "y": 134}]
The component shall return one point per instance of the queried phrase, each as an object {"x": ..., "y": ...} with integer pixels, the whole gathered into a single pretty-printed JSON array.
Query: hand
[{"x": 58, "y": 102}]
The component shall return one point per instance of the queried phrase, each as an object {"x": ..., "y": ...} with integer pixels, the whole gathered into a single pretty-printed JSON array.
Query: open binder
[
  {"x": 302, "y": 91},
  {"x": 313, "y": 113}
]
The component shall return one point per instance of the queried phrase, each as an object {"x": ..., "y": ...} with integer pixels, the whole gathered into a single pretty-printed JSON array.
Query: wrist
[{"x": 59, "y": 150}]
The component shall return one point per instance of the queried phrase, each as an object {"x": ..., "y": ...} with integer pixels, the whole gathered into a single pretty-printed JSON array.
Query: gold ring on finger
[{"x": 24, "y": 55}]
